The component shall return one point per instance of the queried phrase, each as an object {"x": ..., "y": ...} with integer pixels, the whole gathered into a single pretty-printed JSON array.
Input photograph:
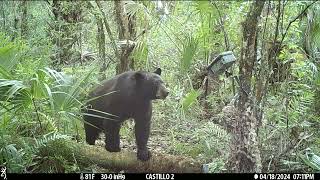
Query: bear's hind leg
[{"x": 112, "y": 139}]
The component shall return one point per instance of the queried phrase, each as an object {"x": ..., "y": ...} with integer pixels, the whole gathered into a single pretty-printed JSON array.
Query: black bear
[{"x": 127, "y": 95}]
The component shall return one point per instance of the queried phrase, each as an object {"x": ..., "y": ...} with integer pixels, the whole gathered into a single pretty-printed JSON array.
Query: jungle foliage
[{"x": 53, "y": 52}]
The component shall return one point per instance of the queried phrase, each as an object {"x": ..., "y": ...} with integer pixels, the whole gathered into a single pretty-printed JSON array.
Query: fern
[
  {"x": 214, "y": 138},
  {"x": 45, "y": 139},
  {"x": 216, "y": 130}
]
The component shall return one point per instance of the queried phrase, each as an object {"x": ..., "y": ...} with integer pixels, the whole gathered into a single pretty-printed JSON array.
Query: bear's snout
[
  {"x": 162, "y": 92},
  {"x": 166, "y": 93}
]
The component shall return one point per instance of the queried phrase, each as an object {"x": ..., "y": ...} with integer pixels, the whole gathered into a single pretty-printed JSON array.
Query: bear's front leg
[
  {"x": 142, "y": 131},
  {"x": 112, "y": 138}
]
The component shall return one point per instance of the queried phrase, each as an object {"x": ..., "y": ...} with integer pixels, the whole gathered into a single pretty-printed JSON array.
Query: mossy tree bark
[
  {"x": 245, "y": 156},
  {"x": 24, "y": 19},
  {"x": 127, "y": 33},
  {"x": 101, "y": 38},
  {"x": 67, "y": 16}
]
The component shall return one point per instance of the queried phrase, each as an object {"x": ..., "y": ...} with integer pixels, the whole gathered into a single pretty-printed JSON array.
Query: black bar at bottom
[{"x": 164, "y": 176}]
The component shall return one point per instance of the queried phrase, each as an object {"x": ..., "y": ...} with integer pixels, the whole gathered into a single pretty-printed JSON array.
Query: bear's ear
[
  {"x": 158, "y": 71},
  {"x": 139, "y": 75}
]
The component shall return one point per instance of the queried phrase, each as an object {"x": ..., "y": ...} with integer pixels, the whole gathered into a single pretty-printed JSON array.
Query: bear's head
[{"x": 150, "y": 84}]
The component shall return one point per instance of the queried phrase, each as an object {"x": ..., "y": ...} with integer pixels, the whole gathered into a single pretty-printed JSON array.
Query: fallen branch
[{"x": 124, "y": 160}]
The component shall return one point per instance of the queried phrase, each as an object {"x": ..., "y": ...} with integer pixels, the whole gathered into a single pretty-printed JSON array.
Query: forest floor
[{"x": 189, "y": 135}]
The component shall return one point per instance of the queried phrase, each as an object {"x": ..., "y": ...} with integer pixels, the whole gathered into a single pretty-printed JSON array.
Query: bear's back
[
  {"x": 115, "y": 95},
  {"x": 118, "y": 83}
]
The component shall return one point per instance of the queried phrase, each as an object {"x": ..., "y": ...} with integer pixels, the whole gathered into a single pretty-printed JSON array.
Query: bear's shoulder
[{"x": 123, "y": 81}]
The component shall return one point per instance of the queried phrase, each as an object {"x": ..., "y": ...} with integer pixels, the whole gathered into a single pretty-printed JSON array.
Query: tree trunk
[
  {"x": 101, "y": 38},
  {"x": 106, "y": 24},
  {"x": 24, "y": 20},
  {"x": 56, "y": 10},
  {"x": 3, "y": 16},
  {"x": 67, "y": 16},
  {"x": 263, "y": 69},
  {"x": 127, "y": 33},
  {"x": 132, "y": 32},
  {"x": 221, "y": 23},
  {"x": 245, "y": 156},
  {"x": 15, "y": 21},
  {"x": 87, "y": 155}
]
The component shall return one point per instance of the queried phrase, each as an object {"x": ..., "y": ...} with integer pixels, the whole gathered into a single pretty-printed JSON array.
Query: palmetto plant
[
  {"x": 9, "y": 52},
  {"x": 45, "y": 93},
  {"x": 311, "y": 159},
  {"x": 189, "y": 50},
  {"x": 45, "y": 98}
]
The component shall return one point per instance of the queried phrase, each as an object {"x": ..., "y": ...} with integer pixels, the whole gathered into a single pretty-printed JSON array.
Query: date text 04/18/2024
[{"x": 283, "y": 176}]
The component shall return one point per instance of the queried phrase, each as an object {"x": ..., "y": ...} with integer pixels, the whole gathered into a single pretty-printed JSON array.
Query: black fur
[{"x": 130, "y": 96}]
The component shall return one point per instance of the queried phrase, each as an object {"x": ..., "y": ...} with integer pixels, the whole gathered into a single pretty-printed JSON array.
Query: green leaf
[
  {"x": 5, "y": 73},
  {"x": 9, "y": 53},
  {"x": 189, "y": 50},
  {"x": 135, "y": 8},
  {"x": 189, "y": 99},
  {"x": 203, "y": 7},
  {"x": 310, "y": 159}
]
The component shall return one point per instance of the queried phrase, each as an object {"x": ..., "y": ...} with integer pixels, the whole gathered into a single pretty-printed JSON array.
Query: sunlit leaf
[
  {"x": 189, "y": 50},
  {"x": 189, "y": 99}
]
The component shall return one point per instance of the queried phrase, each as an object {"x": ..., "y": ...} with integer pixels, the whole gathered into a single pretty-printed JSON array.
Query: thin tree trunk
[
  {"x": 80, "y": 45},
  {"x": 274, "y": 49},
  {"x": 101, "y": 38},
  {"x": 3, "y": 16},
  {"x": 24, "y": 19},
  {"x": 245, "y": 156},
  {"x": 126, "y": 33},
  {"x": 106, "y": 24},
  {"x": 132, "y": 32},
  {"x": 56, "y": 10},
  {"x": 262, "y": 74},
  {"x": 221, "y": 22},
  {"x": 15, "y": 21}
]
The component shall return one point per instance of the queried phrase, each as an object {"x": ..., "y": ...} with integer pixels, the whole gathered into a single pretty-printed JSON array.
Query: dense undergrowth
[{"x": 44, "y": 104}]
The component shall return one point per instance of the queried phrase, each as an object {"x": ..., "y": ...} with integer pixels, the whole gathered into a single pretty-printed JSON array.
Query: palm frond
[
  {"x": 203, "y": 7},
  {"x": 188, "y": 52},
  {"x": 9, "y": 53},
  {"x": 132, "y": 8},
  {"x": 15, "y": 92},
  {"x": 311, "y": 159}
]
